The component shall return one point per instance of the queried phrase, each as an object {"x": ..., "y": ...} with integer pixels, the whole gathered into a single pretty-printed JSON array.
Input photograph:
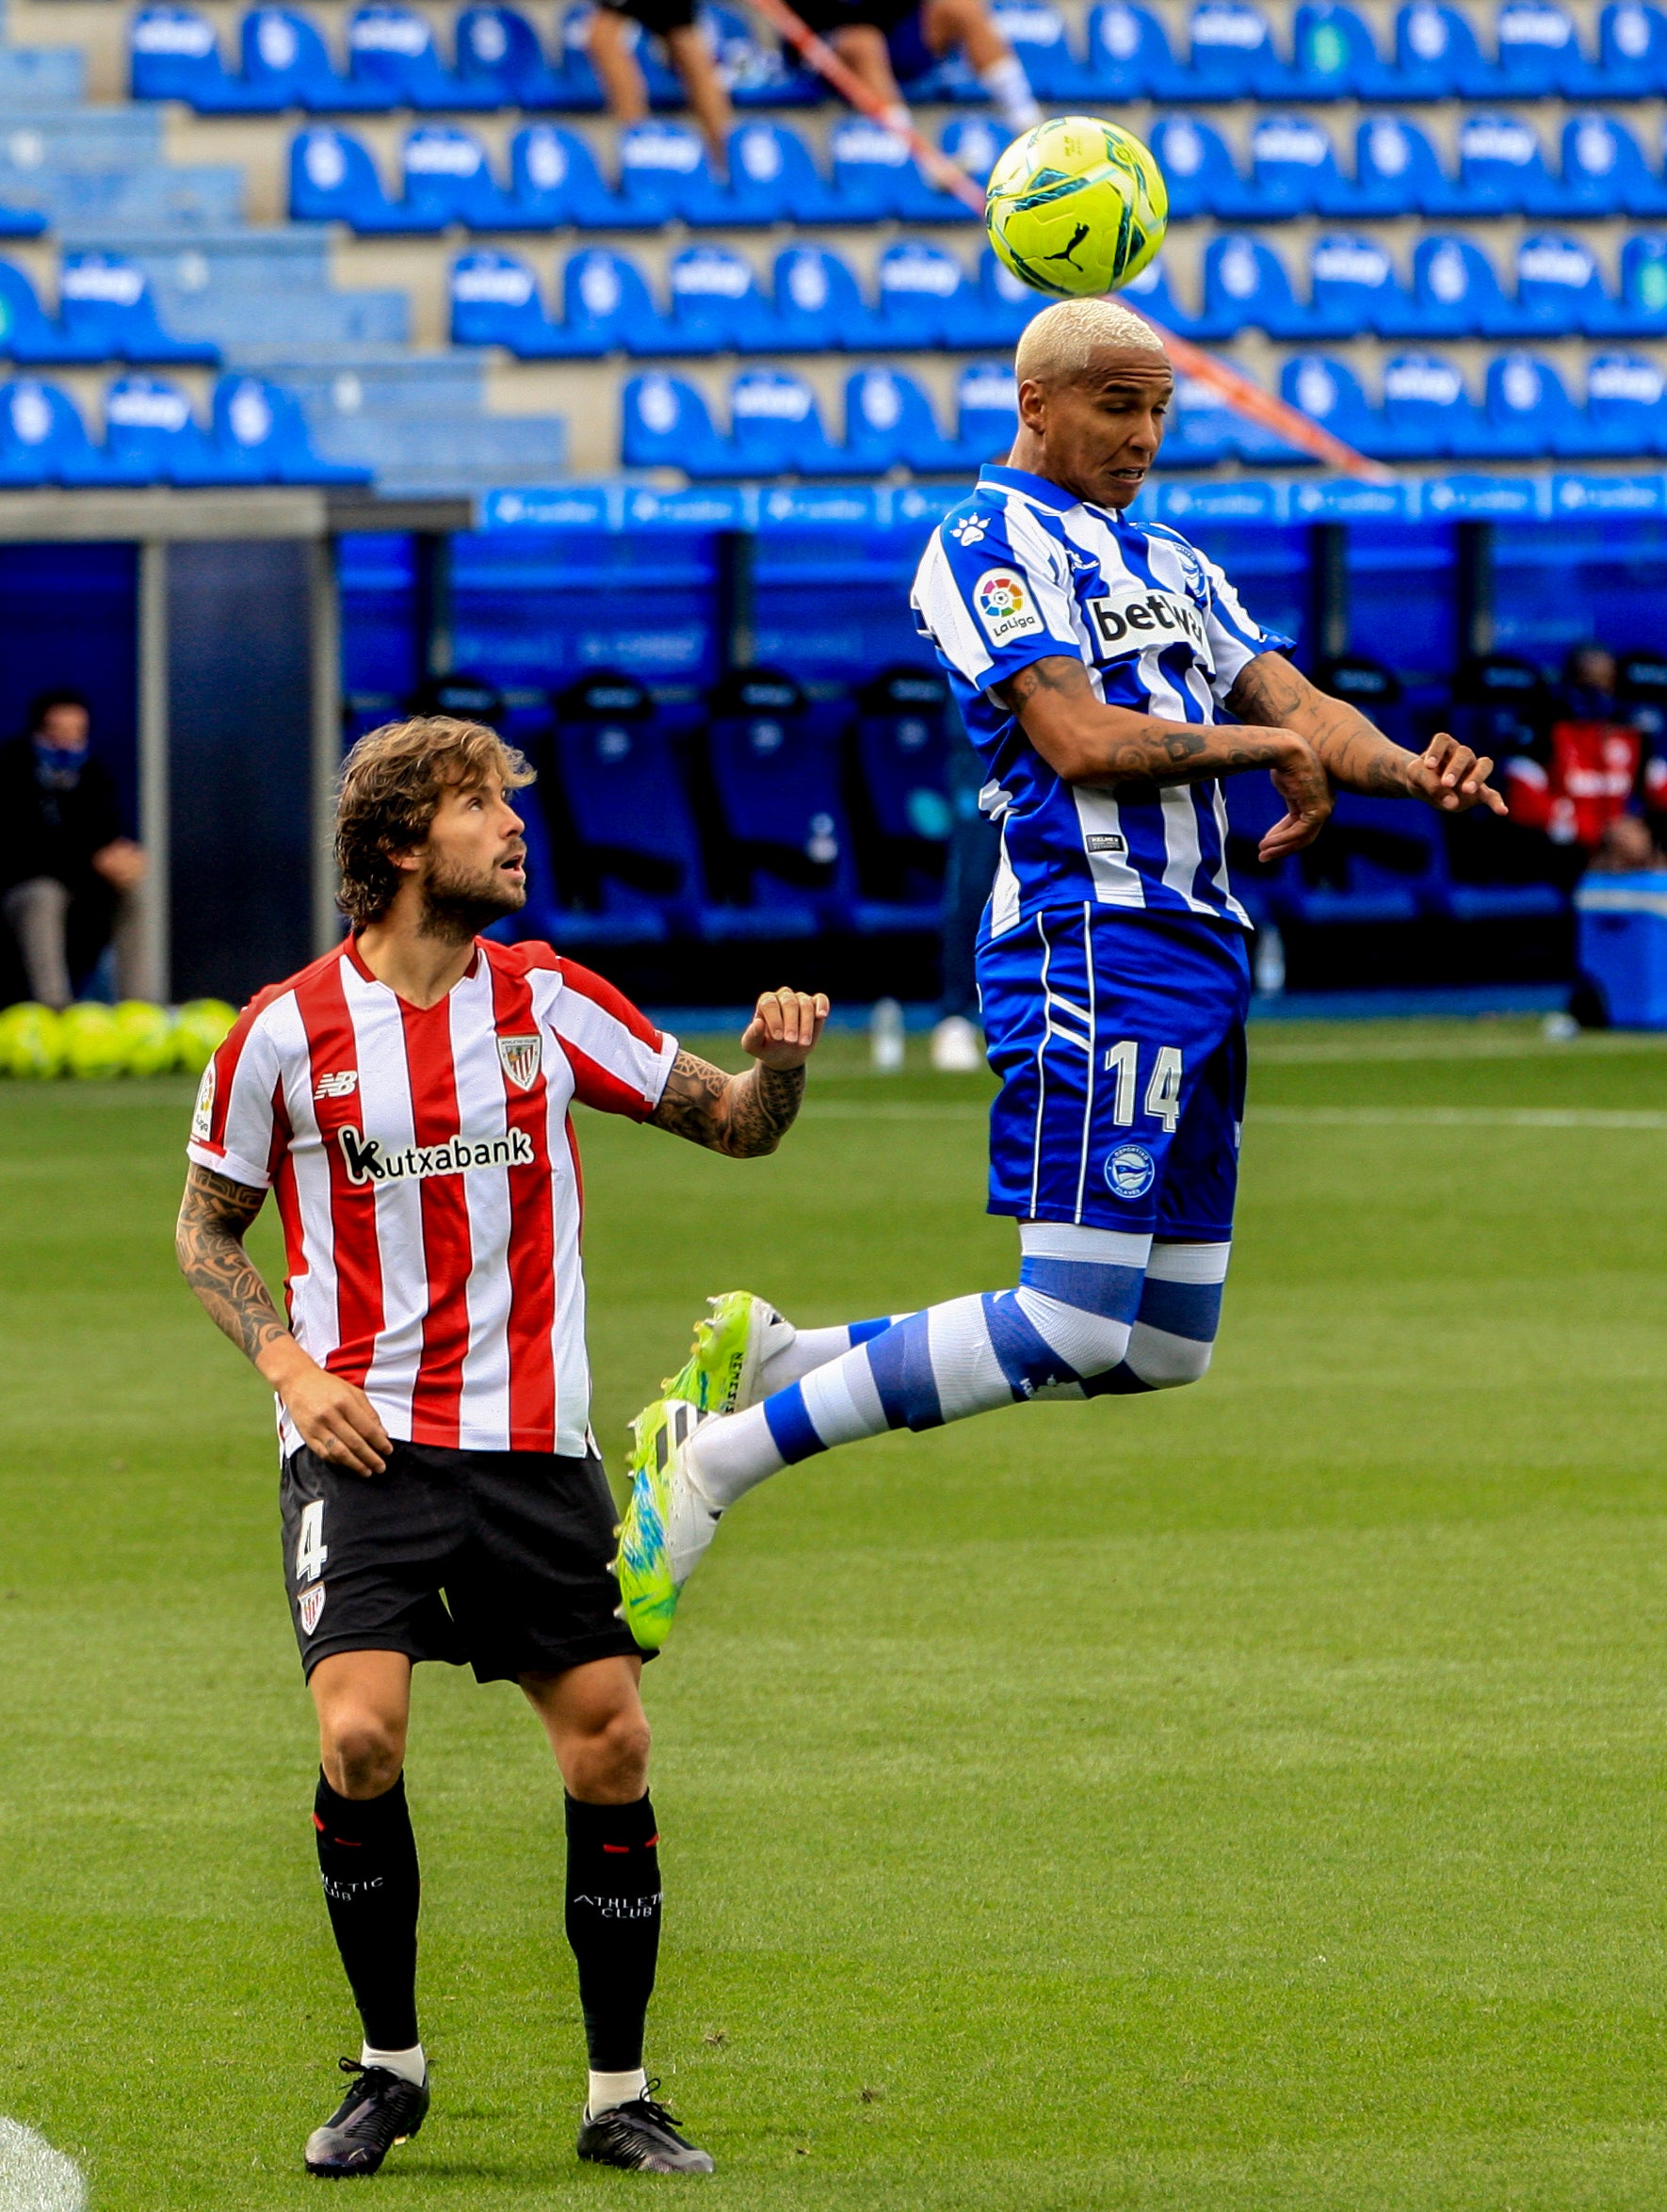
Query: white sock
[
  {"x": 409, "y": 2065},
  {"x": 1010, "y": 93},
  {"x": 608, "y": 2089}
]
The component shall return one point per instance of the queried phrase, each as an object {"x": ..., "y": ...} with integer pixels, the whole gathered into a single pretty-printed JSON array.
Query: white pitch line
[
  {"x": 33, "y": 2176},
  {"x": 1294, "y": 1117}
]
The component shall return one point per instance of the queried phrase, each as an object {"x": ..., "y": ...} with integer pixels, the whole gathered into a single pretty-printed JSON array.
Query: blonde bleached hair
[
  {"x": 391, "y": 785},
  {"x": 1062, "y": 342}
]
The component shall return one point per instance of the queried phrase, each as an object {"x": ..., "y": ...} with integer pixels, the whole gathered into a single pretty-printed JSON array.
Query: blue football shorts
[{"x": 1119, "y": 1040}]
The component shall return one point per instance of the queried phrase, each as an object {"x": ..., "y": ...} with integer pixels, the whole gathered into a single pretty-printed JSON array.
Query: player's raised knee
[{"x": 1163, "y": 1362}]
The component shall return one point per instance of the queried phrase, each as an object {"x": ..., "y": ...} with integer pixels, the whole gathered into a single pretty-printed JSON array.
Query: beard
[{"x": 457, "y": 903}]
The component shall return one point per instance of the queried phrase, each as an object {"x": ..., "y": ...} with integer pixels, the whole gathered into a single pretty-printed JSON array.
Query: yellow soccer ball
[
  {"x": 31, "y": 1042},
  {"x": 94, "y": 1049},
  {"x": 200, "y": 1029},
  {"x": 147, "y": 1036},
  {"x": 1076, "y": 206}
]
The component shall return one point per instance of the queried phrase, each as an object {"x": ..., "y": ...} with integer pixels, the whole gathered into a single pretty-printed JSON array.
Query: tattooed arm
[
  {"x": 1357, "y": 756},
  {"x": 1086, "y": 741},
  {"x": 746, "y": 1116},
  {"x": 337, "y": 1420}
]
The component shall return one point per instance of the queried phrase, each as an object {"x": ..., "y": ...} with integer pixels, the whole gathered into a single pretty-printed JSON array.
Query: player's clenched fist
[{"x": 784, "y": 1028}]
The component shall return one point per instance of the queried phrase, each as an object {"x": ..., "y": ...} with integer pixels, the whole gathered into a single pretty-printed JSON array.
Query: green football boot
[
  {"x": 668, "y": 1523},
  {"x": 721, "y": 1375}
]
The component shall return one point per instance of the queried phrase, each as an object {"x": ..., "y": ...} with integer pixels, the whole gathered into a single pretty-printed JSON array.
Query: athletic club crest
[
  {"x": 310, "y": 1606},
  {"x": 521, "y": 1057}
]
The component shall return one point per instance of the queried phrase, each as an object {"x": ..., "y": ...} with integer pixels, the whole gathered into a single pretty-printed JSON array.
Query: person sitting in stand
[
  {"x": 1584, "y": 774},
  {"x": 882, "y": 41},
  {"x": 620, "y": 74},
  {"x": 68, "y": 873}
]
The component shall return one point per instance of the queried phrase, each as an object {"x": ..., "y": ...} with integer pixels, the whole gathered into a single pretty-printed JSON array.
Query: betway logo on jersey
[
  {"x": 368, "y": 1162},
  {"x": 1136, "y": 615},
  {"x": 1005, "y": 607}
]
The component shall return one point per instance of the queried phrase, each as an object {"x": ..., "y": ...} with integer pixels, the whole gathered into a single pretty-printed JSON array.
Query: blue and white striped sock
[
  {"x": 1070, "y": 1318},
  {"x": 1174, "y": 1329}
]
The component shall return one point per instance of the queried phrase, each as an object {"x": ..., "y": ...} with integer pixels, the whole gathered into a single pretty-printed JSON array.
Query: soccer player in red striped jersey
[{"x": 407, "y": 1098}]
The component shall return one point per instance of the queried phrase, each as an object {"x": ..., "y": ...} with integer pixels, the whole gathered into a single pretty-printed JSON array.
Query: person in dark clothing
[{"x": 67, "y": 869}]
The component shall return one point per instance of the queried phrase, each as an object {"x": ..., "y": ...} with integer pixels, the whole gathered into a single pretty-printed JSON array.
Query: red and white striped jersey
[{"x": 427, "y": 1180}]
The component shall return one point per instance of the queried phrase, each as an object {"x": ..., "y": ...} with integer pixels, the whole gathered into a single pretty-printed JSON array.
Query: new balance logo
[
  {"x": 367, "y": 1162},
  {"x": 341, "y": 1085}
]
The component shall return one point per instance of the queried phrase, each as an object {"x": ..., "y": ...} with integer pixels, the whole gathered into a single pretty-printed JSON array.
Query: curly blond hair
[{"x": 393, "y": 781}]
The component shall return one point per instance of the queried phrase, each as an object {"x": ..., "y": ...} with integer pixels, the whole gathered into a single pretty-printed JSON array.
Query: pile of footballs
[{"x": 99, "y": 1043}]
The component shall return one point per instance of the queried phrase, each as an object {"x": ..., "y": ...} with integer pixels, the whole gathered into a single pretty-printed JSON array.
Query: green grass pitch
[{"x": 1244, "y": 1800}]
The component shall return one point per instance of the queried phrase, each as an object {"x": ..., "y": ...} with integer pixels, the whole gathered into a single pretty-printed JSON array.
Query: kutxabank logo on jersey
[
  {"x": 1132, "y": 616},
  {"x": 369, "y": 1161}
]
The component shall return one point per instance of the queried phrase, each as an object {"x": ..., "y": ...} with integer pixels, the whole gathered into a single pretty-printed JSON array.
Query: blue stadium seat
[
  {"x": 986, "y": 410},
  {"x": 580, "y": 88},
  {"x": 818, "y": 305},
  {"x": 151, "y": 437},
  {"x": 776, "y": 427},
  {"x": 43, "y": 440},
  {"x": 175, "y": 55},
  {"x": 1641, "y": 312},
  {"x": 1631, "y": 51},
  {"x": 1529, "y": 414},
  {"x": 1294, "y": 170},
  {"x": 391, "y": 49},
  {"x": 1428, "y": 415},
  {"x": 333, "y": 179},
  {"x": 975, "y": 146},
  {"x": 1502, "y": 169},
  {"x": 889, "y": 424},
  {"x": 1232, "y": 54},
  {"x": 28, "y": 332},
  {"x": 1437, "y": 57},
  {"x": 1539, "y": 52},
  {"x": 1334, "y": 57},
  {"x": 449, "y": 179},
  {"x": 1246, "y": 286},
  {"x": 716, "y": 305},
  {"x": 1355, "y": 288},
  {"x": 775, "y": 772},
  {"x": 1397, "y": 171},
  {"x": 1328, "y": 391},
  {"x": 500, "y": 61},
  {"x": 260, "y": 437},
  {"x": 620, "y": 779},
  {"x": 286, "y": 64},
  {"x": 494, "y": 302},
  {"x": 875, "y": 178},
  {"x": 901, "y": 745},
  {"x": 1561, "y": 291},
  {"x": 1626, "y": 405},
  {"x": 1007, "y": 303},
  {"x": 1605, "y": 174},
  {"x": 759, "y": 72},
  {"x": 1037, "y": 34},
  {"x": 1457, "y": 294},
  {"x": 1202, "y": 176},
  {"x": 772, "y": 178},
  {"x": 1378, "y": 861},
  {"x": 666, "y": 177},
  {"x": 107, "y": 314},
  {"x": 666, "y": 424},
  {"x": 1149, "y": 292},
  {"x": 607, "y": 305},
  {"x": 555, "y": 180},
  {"x": 1128, "y": 54},
  {"x": 926, "y": 300},
  {"x": 1199, "y": 430}
]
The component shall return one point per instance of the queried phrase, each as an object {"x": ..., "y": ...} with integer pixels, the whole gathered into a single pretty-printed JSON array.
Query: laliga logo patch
[
  {"x": 202, "y": 1115},
  {"x": 1004, "y": 606},
  {"x": 310, "y": 1605},
  {"x": 522, "y": 1057},
  {"x": 1129, "y": 1171}
]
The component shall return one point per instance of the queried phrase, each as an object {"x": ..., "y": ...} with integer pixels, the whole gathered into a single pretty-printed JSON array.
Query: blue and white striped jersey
[{"x": 1023, "y": 570}]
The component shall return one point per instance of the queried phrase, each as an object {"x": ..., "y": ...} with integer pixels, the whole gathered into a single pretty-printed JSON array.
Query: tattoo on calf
[
  {"x": 213, "y": 1215},
  {"x": 742, "y": 1116}
]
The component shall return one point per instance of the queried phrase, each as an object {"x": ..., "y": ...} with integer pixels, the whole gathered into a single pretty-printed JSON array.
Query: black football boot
[
  {"x": 642, "y": 2137},
  {"x": 379, "y": 2110}
]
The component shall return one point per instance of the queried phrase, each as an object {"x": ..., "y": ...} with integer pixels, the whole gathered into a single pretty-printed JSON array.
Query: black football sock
[
  {"x": 367, "y": 1856},
  {"x": 613, "y": 1924}
]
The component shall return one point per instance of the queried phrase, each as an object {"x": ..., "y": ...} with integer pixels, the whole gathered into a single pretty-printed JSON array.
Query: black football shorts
[
  {"x": 658, "y": 16},
  {"x": 499, "y": 1559}
]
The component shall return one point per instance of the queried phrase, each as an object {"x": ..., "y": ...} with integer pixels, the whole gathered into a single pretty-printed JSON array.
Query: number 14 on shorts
[{"x": 1163, "y": 1084}]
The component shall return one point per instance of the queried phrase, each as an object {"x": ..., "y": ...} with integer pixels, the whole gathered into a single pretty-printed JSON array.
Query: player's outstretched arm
[
  {"x": 1446, "y": 774},
  {"x": 746, "y": 1116},
  {"x": 334, "y": 1417},
  {"x": 1086, "y": 741}
]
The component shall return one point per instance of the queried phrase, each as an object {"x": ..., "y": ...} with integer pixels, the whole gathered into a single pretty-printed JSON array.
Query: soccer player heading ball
[
  {"x": 1092, "y": 659},
  {"x": 408, "y": 1097}
]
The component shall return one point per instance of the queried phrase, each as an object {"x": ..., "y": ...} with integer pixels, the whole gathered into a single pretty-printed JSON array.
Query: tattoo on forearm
[
  {"x": 1144, "y": 748},
  {"x": 215, "y": 1214},
  {"x": 743, "y": 1116},
  {"x": 1356, "y": 755}
]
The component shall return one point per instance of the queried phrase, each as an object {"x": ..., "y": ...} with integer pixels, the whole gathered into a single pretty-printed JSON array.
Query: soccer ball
[
  {"x": 92, "y": 1043},
  {"x": 198, "y": 1032},
  {"x": 31, "y": 1046},
  {"x": 147, "y": 1036},
  {"x": 1076, "y": 207}
]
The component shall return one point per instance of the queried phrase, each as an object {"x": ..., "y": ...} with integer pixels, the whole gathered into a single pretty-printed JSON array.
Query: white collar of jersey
[{"x": 1036, "y": 487}]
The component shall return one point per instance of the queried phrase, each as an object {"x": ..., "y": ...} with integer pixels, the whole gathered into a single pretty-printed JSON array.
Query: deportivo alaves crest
[{"x": 367, "y": 1161}]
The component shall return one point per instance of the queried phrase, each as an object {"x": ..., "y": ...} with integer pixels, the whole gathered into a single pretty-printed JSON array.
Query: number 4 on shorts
[{"x": 312, "y": 1551}]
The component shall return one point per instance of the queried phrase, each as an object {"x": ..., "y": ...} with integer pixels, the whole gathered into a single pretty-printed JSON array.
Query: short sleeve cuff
[
  {"x": 668, "y": 1060},
  {"x": 227, "y": 1164}
]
